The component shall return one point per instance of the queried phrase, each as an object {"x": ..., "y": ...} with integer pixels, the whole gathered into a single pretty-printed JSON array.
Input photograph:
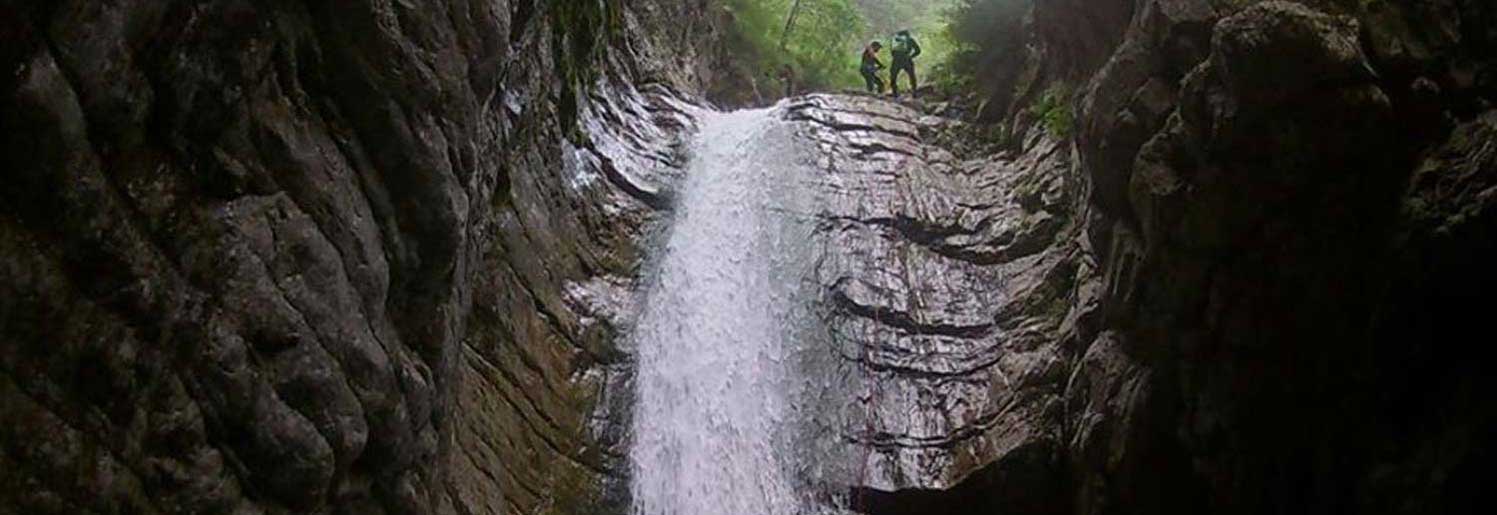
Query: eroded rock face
[
  {"x": 1257, "y": 322},
  {"x": 302, "y": 258},
  {"x": 1274, "y": 224},
  {"x": 945, "y": 284},
  {"x": 374, "y": 258}
]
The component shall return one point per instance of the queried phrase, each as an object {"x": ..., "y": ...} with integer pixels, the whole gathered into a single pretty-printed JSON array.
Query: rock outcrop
[
  {"x": 353, "y": 257},
  {"x": 1245, "y": 283},
  {"x": 1288, "y": 205},
  {"x": 945, "y": 280}
]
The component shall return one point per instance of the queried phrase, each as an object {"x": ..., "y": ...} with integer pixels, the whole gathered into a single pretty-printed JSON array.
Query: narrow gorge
[{"x": 533, "y": 257}]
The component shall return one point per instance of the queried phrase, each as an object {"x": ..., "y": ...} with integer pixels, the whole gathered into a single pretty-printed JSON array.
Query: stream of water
[{"x": 713, "y": 423}]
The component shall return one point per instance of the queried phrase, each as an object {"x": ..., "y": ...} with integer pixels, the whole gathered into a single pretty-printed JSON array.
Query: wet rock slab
[{"x": 947, "y": 283}]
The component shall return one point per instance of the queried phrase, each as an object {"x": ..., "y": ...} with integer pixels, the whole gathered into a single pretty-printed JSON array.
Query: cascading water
[{"x": 714, "y": 420}]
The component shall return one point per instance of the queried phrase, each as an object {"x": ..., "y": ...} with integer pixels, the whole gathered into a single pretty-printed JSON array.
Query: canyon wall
[
  {"x": 310, "y": 257},
  {"x": 1273, "y": 270},
  {"x": 370, "y": 257},
  {"x": 1291, "y": 206}
]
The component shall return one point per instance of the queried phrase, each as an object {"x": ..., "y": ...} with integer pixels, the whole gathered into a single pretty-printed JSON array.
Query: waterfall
[{"x": 716, "y": 337}]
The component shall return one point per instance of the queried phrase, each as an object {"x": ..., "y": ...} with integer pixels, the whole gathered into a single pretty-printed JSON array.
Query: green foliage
[
  {"x": 982, "y": 31},
  {"x": 1054, "y": 111},
  {"x": 927, "y": 20},
  {"x": 957, "y": 37},
  {"x": 822, "y": 46}
]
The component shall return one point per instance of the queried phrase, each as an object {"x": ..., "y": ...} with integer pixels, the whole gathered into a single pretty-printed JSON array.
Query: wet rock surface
[
  {"x": 1239, "y": 292},
  {"x": 375, "y": 258},
  {"x": 947, "y": 286},
  {"x": 352, "y": 257},
  {"x": 544, "y": 405}
]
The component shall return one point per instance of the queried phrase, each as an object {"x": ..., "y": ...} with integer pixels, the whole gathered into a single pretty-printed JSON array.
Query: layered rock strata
[
  {"x": 945, "y": 282},
  {"x": 1236, "y": 287},
  {"x": 278, "y": 257},
  {"x": 1281, "y": 198}
]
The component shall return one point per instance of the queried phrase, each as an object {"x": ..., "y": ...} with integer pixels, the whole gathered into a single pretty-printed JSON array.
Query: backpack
[{"x": 902, "y": 45}]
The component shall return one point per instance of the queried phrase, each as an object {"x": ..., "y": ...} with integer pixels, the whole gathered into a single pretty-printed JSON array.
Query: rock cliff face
[
  {"x": 945, "y": 280},
  {"x": 1242, "y": 285},
  {"x": 370, "y": 257},
  {"x": 285, "y": 257},
  {"x": 1289, "y": 211}
]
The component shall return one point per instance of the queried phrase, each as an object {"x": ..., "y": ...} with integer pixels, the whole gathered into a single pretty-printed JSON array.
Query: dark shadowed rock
[
  {"x": 354, "y": 257},
  {"x": 1258, "y": 270}
]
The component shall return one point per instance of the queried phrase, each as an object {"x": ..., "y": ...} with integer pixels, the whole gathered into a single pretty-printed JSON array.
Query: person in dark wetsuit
[
  {"x": 905, "y": 51},
  {"x": 871, "y": 67}
]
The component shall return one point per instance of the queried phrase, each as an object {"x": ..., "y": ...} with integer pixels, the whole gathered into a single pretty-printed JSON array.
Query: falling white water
[{"x": 715, "y": 338}]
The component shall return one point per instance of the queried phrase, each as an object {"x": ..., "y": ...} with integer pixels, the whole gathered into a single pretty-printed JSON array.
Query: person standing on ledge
[
  {"x": 787, "y": 79},
  {"x": 871, "y": 66},
  {"x": 905, "y": 52}
]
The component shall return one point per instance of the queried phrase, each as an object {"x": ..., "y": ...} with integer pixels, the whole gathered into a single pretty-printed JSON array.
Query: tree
[{"x": 821, "y": 43}]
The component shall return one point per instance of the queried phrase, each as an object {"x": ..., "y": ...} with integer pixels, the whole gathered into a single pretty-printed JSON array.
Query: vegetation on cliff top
[
  {"x": 823, "y": 39},
  {"x": 820, "y": 45},
  {"x": 982, "y": 33},
  {"x": 971, "y": 48}
]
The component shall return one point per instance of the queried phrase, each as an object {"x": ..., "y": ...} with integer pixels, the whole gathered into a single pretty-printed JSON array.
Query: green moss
[
  {"x": 580, "y": 31},
  {"x": 1054, "y": 110}
]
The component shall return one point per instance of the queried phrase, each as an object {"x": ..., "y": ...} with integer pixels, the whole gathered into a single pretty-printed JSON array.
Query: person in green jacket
[
  {"x": 905, "y": 51},
  {"x": 871, "y": 66}
]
